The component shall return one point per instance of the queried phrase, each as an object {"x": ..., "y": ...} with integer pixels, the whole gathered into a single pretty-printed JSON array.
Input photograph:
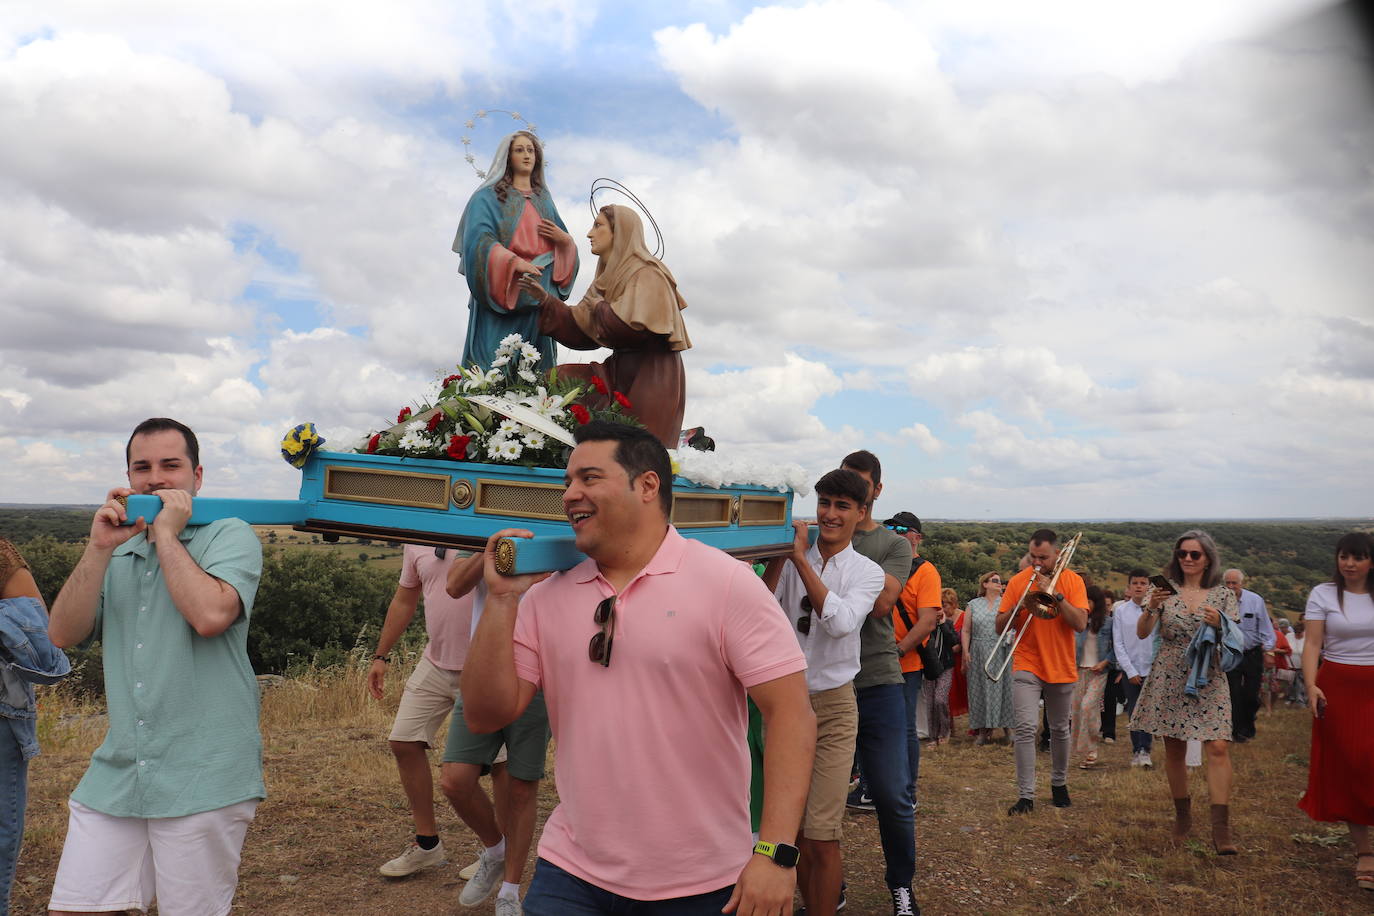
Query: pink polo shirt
[
  {"x": 448, "y": 621},
  {"x": 652, "y": 767}
]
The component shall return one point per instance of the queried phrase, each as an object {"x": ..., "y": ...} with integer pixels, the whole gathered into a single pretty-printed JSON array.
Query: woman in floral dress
[
  {"x": 989, "y": 701},
  {"x": 1163, "y": 708}
]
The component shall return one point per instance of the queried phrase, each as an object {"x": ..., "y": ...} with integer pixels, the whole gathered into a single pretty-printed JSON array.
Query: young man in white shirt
[
  {"x": 827, "y": 591},
  {"x": 1133, "y": 657}
]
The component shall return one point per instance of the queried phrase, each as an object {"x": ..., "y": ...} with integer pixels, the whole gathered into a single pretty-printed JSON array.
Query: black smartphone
[
  {"x": 1321, "y": 707},
  {"x": 1163, "y": 585}
]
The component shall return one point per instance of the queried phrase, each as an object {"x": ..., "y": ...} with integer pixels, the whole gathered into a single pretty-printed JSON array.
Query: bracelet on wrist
[{"x": 386, "y": 659}]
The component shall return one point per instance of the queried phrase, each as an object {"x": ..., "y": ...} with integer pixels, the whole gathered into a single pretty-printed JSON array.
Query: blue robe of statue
[{"x": 488, "y": 222}]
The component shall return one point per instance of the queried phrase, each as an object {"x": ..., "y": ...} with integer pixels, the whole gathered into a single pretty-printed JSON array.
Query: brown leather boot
[
  {"x": 1183, "y": 820},
  {"x": 1221, "y": 831}
]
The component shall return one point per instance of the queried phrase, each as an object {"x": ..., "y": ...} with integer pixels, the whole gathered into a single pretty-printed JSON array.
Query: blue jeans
[
  {"x": 911, "y": 692},
  {"x": 14, "y": 775},
  {"x": 882, "y": 744},
  {"x": 1140, "y": 741},
  {"x": 555, "y": 892}
]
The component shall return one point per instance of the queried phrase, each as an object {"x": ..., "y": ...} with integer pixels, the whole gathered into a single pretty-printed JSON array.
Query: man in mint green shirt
[{"x": 165, "y": 804}]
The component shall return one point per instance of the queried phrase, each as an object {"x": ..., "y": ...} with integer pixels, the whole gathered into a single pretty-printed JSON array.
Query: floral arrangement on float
[
  {"x": 511, "y": 415},
  {"x": 505, "y": 415}
]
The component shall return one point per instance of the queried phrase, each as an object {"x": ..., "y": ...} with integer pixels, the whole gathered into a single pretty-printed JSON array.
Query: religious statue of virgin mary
[{"x": 510, "y": 229}]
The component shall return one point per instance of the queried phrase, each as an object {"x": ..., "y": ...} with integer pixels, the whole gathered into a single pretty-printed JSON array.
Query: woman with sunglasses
[
  {"x": 1196, "y": 597},
  {"x": 989, "y": 701},
  {"x": 1340, "y": 638}
]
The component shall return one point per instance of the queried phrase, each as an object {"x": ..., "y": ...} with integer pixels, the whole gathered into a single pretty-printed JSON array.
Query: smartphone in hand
[
  {"x": 1163, "y": 585},
  {"x": 1321, "y": 707}
]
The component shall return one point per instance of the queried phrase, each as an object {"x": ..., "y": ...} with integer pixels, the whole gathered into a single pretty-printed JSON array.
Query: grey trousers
[{"x": 1026, "y": 692}]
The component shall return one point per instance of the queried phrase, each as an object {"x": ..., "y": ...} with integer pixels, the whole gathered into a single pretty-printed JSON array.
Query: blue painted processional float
[{"x": 488, "y": 451}]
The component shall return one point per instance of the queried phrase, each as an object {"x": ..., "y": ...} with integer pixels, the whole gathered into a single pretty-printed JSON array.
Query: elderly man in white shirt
[
  {"x": 827, "y": 591},
  {"x": 1134, "y": 656}
]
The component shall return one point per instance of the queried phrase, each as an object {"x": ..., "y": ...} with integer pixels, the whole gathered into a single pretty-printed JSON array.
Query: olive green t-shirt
[{"x": 878, "y": 662}]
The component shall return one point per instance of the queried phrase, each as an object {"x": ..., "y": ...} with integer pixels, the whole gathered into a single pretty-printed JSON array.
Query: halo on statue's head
[
  {"x": 611, "y": 186},
  {"x": 471, "y": 123}
]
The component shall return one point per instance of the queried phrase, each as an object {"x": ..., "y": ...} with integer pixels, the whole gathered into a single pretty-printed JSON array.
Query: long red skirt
[{"x": 1340, "y": 777}]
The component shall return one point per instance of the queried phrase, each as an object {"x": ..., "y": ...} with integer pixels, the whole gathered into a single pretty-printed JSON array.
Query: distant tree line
[{"x": 314, "y": 607}]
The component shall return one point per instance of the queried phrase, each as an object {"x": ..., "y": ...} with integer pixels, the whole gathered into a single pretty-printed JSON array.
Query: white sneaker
[
  {"x": 490, "y": 871},
  {"x": 508, "y": 906},
  {"x": 470, "y": 869},
  {"x": 412, "y": 860},
  {"x": 1145, "y": 760},
  {"x": 1135, "y": 759}
]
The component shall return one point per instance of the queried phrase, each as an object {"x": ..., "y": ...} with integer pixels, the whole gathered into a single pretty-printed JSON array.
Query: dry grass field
[
  {"x": 336, "y": 812},
  {"x": 374, "y": 554}
]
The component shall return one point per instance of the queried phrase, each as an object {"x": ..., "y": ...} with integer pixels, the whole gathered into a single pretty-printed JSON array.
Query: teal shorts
[{"x": 526, "y": 740}]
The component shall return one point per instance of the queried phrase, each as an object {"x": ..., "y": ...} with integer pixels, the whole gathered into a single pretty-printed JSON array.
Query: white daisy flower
[
  {"x": 509, "y": 450},
  {"x": 527, "y": 375},
  {"x": 492, "y": 376},
  {"x": 529, "y": 354},
  {"x": 413, "y": 441},
  {"x": 417, "y": 427},
  {"x": 500, "y": 361},
  {"x": 508, "y": 427},
  {"x": 534, "y": 439},
  {"x": 510, "y": 342}
]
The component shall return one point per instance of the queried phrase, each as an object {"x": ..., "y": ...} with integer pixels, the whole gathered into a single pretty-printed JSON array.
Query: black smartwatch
[{"x": 781, "y": 853}]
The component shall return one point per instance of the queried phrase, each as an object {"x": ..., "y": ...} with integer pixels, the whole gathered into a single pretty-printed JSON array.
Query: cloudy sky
[{"x": 1054, "y": 260}]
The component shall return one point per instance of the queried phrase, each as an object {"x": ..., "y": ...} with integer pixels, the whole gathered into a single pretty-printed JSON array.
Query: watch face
[{"x": 786, "y": 856}]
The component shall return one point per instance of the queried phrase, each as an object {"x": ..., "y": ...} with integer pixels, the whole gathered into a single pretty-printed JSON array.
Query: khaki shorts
[
  {"x": 837, "y": 727},
  {"x": 426, "y": 703}
]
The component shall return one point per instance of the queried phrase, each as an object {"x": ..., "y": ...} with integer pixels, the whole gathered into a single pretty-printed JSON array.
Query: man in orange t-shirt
[
  {"x": 1044, "y": 667},
  {"x": 913, "y": 617}
]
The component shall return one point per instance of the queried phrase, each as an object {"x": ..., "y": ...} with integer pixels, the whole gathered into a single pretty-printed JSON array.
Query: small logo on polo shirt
[{"x": 670, "y": 614}]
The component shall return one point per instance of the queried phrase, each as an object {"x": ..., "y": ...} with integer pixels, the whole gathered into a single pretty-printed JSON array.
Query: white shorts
[
  {"x": 189, "y": 864},
  {"x": 426, "y": 703}
]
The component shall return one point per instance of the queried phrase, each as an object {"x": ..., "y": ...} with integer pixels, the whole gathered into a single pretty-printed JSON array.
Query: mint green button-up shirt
[{"x": 183, "y": 735}]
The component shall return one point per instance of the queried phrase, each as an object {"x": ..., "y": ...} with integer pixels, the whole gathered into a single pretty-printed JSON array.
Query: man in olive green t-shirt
[
  {"x": 164, "y": 806},
  {"x": 881, "y": 747}
]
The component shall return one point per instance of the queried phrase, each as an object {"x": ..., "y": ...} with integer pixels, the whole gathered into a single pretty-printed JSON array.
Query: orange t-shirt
[
  {"x": 921, "y": 590},
  {"x": 1047, "y": 650}
]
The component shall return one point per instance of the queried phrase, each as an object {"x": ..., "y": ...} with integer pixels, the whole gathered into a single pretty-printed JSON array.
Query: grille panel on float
[
  {"x": 522, "y": 500},
  {"x": 691, "y": 511},
  {"x": 393, "y": 488},
  {"x": 763, "y": 510}
]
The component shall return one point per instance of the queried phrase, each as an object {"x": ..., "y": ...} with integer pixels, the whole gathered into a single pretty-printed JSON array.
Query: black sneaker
[
  {"x": 860, "y": 800},
  {"x": 1022, "y": 806},
  {"x": 903, "y": 904},
  {"x": 1061, "y": 796}
]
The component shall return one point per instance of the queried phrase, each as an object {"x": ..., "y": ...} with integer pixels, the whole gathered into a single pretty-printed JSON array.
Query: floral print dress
[{"x": 1163, "y": 708}]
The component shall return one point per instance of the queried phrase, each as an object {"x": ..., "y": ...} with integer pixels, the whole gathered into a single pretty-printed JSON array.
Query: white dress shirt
[
  {"x": 1133, "y": 655},
  {"x": 832, "y": 646}
]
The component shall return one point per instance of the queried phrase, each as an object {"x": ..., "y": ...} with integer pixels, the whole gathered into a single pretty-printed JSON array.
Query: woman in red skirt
[{"x": 1340, "y": 637}]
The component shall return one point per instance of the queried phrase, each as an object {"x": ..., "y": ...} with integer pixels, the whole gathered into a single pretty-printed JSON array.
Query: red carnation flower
[
  {"x": 580, "y": 413},
  {"x": 372, "y": 443},
  {"x": 450, "y": 380},
  {"x": 458, "y": 447},
  {"x": 599, "y": 385},
  {"x": 622, "y": 400},
  {"x": 434, "y": 420},
  {"x": 403, "y": 415}
]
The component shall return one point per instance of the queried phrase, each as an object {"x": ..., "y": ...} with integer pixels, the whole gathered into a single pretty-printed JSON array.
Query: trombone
[{"x": 1037, "y": 603}]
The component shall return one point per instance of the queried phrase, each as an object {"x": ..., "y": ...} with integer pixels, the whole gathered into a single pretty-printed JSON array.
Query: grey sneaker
[
  {"x": 412, "y": 860},
  {"x": 488, "y": 878},
  {"x": 505, "y": 906}
]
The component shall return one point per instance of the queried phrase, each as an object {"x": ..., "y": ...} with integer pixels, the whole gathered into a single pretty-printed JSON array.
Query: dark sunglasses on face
[
  {"x": 599, "y": 649},
  {"x": 804, "y": 623},
  {"x": 1189, "y": 554}
]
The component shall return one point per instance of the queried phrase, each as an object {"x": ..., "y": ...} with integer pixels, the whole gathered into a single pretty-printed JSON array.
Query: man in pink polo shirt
[{"x": 645, "y": 652}]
